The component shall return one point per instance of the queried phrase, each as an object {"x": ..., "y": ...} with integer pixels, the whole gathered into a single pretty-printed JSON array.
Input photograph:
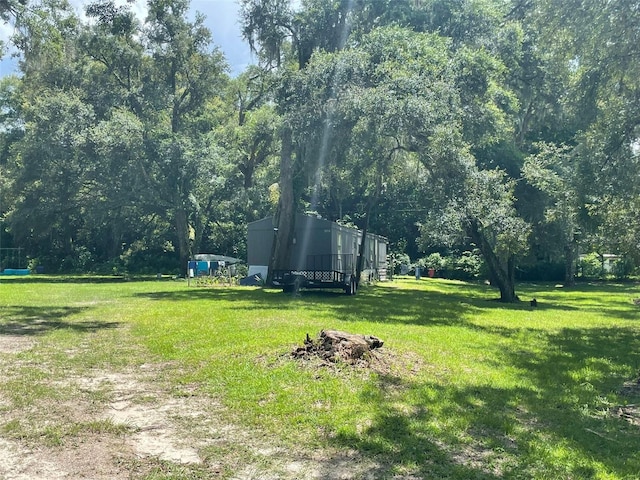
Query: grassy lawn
[{"x": 466, "y": 388}]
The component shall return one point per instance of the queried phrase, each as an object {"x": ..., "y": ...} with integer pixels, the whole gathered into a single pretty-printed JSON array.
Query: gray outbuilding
[{"x": 322, "y": 252}]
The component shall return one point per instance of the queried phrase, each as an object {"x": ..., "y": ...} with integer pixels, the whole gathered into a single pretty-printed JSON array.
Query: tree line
[{"x": 508, "y": 128}]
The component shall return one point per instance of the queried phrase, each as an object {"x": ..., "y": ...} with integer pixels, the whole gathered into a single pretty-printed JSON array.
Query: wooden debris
[
  {"x": 337, "y": 346},
  {"x": 630, "y": 413},
  {"x": 631, "y": 388}
]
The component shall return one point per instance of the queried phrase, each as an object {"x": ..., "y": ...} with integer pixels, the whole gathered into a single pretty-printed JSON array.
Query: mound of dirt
[{"x": 336, "y": 346}]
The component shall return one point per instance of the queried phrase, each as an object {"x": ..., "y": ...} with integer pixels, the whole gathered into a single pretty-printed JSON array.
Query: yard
[{"x": 107, "y": 379}]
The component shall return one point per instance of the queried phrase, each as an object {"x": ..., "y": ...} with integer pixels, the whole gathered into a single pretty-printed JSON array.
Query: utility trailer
[
  {"x": 323, "y": 254},
  {"x": 321, "y": 271}
]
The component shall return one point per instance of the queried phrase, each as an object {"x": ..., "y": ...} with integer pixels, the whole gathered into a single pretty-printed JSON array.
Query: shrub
[
  {"x": 623, "y": 268},
  {"x": 590, "y": 266},
  {"x": 467, "y": 266},
  {"x": 397, "y": 260},
  {"x": 434, "y": 261}
]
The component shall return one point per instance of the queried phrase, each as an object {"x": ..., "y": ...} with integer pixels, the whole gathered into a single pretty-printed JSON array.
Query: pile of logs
[{"x": 336, "y": 346}]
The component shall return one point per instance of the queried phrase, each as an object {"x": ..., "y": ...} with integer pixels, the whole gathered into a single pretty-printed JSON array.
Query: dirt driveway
[{"x": 97, "y": 423}]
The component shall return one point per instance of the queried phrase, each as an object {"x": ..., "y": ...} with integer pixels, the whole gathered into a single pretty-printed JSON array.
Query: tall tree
[
  {"x": 287, "y": 38},
  {"x": 146, "y": 146},
  {"x": 596, "y": 45},
  {"x": 49, "y": 174},
  {"x": 554, "y": 171},
  {"x": 478, "y": 206},
  {"x": 185, "y": 73}
]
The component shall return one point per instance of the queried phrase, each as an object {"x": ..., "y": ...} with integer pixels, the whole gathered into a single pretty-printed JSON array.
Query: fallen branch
[{"x": 601, "y": 435}]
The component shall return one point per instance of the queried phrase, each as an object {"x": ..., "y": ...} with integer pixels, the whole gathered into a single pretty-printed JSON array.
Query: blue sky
[{"x": 221, "y": 19}]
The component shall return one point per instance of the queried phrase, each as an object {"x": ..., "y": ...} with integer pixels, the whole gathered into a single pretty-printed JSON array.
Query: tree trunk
[
  {"x": 114, "y": 247},
  {"x": 283, "y": 236},
  {"x": 361, "y": 248},
  {"x": 182, "y": 235},
  {"x": 361, "y": 252},
  {"x": 569, "y": 264},
  {"x": 502, "y": 275}
]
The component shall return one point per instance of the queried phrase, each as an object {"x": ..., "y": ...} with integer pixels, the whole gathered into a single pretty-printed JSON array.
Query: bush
[
  {"x": 397, "y": 260},
  {"x": 623, "y": 268},
  {"x": 81, "y": 261},
  {"x": 434, "y": 261},
  {"x": 467, "y": 266},
  {"x": 590, "y": 266},
  {"x": 144, "y": 258}
]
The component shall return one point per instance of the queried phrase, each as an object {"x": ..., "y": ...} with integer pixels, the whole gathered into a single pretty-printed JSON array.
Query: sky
[{"x": 221, "y": 18}]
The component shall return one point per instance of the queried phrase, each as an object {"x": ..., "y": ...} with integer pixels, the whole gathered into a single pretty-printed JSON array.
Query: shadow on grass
[
  {"x": 252, "y": 294},
  {"x": 444, "y": 305},
  {"x": 547, "y": 418},
  {"x": 554, "y": 423},
  {"x": 374, "y": 304},
  {"x": 454, "y": 306},
  {"x": 451, "y": 305},
  {"x": 77, "y": 279},
  {"x": 21, "y": 320},
  {"x": 401, "y": 439}
]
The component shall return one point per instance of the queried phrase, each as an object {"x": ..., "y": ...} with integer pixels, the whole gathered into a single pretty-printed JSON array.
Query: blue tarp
[
  {"x": 203, "y": 267},
  {"x": 15, "y": 271}
]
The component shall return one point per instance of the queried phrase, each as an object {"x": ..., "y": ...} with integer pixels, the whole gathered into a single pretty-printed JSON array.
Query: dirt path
[{"x": 130, "y": 424}]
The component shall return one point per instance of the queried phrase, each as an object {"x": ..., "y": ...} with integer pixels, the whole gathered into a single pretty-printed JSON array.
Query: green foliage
[
  {"x": 596, "y": 266},
  {"x": 468, "y": 265},
  {"x": 591, "y": 266},
  {"x": 434, "y": 261},
  {"x": 623, "y": 268},
  {"x": 400, "y": 262},
  {"x": 124, "y": 139},
  {"x": 9, "y": 8},
  {"x": 117, "y": 119}
]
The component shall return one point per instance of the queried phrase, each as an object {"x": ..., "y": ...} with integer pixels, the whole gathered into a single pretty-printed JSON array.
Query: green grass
[{"x": 475, "y": 389}]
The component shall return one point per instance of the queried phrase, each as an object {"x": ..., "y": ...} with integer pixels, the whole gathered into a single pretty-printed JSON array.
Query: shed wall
[
  {"x": 313, "y": 237},
  {"x": 260, "y": 235}
]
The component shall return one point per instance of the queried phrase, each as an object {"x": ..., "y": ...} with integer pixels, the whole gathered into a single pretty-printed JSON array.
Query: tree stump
[{"x": 336, "y": 346}]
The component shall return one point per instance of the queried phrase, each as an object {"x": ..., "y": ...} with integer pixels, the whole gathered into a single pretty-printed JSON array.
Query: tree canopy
[{"x": 511, "y": 129}]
